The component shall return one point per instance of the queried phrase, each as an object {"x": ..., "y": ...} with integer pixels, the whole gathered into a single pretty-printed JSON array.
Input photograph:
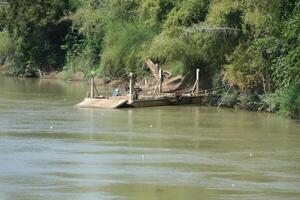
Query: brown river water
[{"x": 51, "y": 150}]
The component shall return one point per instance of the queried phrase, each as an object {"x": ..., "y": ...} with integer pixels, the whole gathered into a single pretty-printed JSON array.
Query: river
[{"x": 51, "y": 150}]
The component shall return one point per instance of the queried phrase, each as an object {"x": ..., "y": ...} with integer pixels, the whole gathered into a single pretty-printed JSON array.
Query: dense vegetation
[{"x": 251, "y": 45}]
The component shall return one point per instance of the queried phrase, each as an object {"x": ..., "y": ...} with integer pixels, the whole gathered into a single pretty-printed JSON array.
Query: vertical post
[
  {"x": 197, "y": 80},
  {"x": 92, "y": 88},
  {"x": 160, "y": 80},
  {"x": 131, "y": 87}
]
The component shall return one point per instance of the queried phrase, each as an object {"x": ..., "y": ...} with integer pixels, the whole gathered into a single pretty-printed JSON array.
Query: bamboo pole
[
  {"x": 131, "y": 87},
  {"x": 220, "y": 103},
  {"x": 92, "y": 88},
  {"x": 197, "y": 80},
  {"x": 160, "y": 81}
]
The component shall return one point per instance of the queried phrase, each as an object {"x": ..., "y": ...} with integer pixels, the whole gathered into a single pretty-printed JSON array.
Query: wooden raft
[{"x": 113, "y": 103}]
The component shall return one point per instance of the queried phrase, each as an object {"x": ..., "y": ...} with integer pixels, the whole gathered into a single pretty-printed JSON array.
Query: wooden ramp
[{"x": 112, "y": 103}]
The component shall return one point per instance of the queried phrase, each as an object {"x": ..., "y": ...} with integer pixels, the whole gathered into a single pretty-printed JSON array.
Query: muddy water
[{"x": 51, "y": 150}]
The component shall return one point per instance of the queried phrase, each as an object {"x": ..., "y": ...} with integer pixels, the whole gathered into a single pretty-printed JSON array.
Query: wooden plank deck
[
  {"x": 124, "y": 102},
  {"x": 112, "y": 103}
]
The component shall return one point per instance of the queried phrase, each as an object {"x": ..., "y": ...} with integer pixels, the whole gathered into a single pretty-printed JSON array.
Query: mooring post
[
  {"x": 92, "y": 88},
  {"x": 197, "y": 80},
  {"x": 131, "y": 87},
  {"x": 160, "y": 80}
]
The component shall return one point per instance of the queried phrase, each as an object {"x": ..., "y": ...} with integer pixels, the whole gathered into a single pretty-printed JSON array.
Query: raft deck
[
  {"x": 153, "y": 101},
  {"x": 112, "y": 102}
]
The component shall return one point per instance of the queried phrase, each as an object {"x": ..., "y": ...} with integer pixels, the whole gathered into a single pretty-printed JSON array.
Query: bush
[
  {"x": 123, "y": 47},
  {"x": 249, "y": 101},
  {"x": 66, "y": 75},
  {"x": 6, "y": 46},
  {"x": 38, "y": 29},
  {"x": 269, "y": 102},
  {"x": 229, "y": 100},
  {"x": 290, "y": 101},
  {"x": 222, "y": 98},
  {"x": 213, "y": 98}
]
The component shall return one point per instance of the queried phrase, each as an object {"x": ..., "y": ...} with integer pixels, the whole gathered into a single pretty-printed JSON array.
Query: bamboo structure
[
  {"x": 160, "y": 80},
  {"x": 200, "y": 28},
  {"x": 131, "y": 85},
  {"x": 197, "y": 80},
  {"x": 92, "y": 87},
  {"x": 196, "y": 89}
]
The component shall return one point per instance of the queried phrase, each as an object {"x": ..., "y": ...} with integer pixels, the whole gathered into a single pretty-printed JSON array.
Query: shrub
[
  {"x": 6, "y": 46},
  {"x": 269, "y": 102},
  {"x": 290, "y": 101},
  {"x": 249, "y": 101},
  {"x": 229, "y": 100},
  {"x": 213, "y": 98}
]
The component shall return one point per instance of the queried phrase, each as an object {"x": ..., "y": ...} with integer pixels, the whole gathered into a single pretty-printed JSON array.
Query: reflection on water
[{"x": 51, "y": 150}]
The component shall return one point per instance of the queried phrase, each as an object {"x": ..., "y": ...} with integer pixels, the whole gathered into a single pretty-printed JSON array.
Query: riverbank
[{"x": 286, "y": 103}]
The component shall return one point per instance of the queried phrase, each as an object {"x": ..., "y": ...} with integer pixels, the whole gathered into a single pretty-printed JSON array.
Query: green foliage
[
  {"x": 119, "y": 35},
  {"x": 223, "y": 97},
  {"x": 66, "y": 75},
  {"x": 229, "y": 100},
  {"x": 174, "y": 67},
  {"x": 83, "y": 43},
  {"x": 269, "y": 102},
  {"x": 188, "y": 12},
  {"x": 256, "y": 102},
  {"x": 38, "y": 30},
  {"x": 287, "y": 67},
  {"x": 249, "y": 101},
  {"x": 267, "y": 57},
  {"x": 123, "y": 48},
  {"x": 213, "y": 98},
  {"x": 290, "y": 101},
  {"x": 131, "y": 31},
  {"x": 6, "y": 46}
]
